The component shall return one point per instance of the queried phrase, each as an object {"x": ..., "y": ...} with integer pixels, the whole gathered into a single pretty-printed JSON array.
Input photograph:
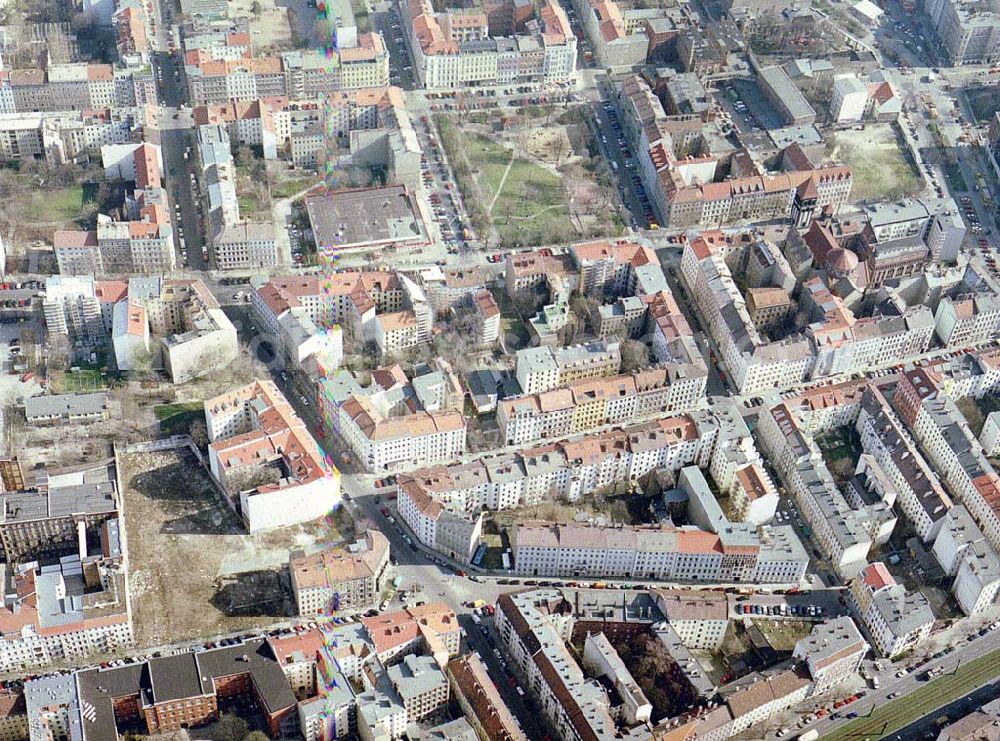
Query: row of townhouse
[
  {"x": 718, "y": 441},
  {"x": 588, "y": 403},
  {"x": 79, "y": 86},
  {"x": 215, "y": 78},
  {"x": 837, "y": 343},
  {"x": 915, "y": 487},
  {"x": 946, "y": 439},
  {"x": 540, "y": 369},
  {"x": 365, "y": 121},
  {"x": 459, "y": 48},
  {"x": 143, "y": 244},
  {"x": 534, "y": 627},
  {"x": 663, "y": 552}
]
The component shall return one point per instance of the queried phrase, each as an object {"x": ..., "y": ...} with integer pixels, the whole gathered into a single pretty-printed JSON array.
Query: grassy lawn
[
  {"x": 956, "y": 178},
  {"x": 896, "y": 714},
  {"x": 881, "y": 169},
  {"x": 976, "y": 411},
  {"x": 248, "y": 205},
  {"x": 289, "y": 188},
  {"x": 86, "y": 379},
  {"x": 176, "y": 419},
  {"x": 61, "y": 204}
]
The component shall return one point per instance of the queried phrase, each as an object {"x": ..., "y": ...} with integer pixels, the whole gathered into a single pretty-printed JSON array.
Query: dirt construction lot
[
  {"x": 881, "y": 169},
  {"x": 195, "y": 572}
]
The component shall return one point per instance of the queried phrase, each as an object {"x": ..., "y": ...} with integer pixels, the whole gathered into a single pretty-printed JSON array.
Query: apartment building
[
  {"x": 533, "y": 627},
  {"x": 965, "y": 554},
  {"x": 217, "y": 76},
  {"x": 396, "y": 331},
  {"x": 430, "y": 629},
  {"x": 588, "y": 403},
  {"x": 194, "y": 336},
  {"x": 618, "y": 45},
  {"x": 263, "y": 455},
  {"x": 949, "y": 444},
  {"x": 918, "y": 491},
  {"x": 700, "y": 618},
  {"x": 142, "y": 245},
  {"x": 454, "y": 534},
  {"x": 350, "y": 300},
  {"x": 61, "y": 136},
  {"x": 77, "y": 86},
  {"x": 71, "y": 307},
  {"x": 836, "y": 342},
  {"x": 185, "y": 690},
  {"x": 488, "y": 320},
  {"x": 832, "y": 651},
  {"x": 845, "y": 533},
  {"x": 895, "y": 620},
  {"x": 421, "y": 685},
  {"x": 68, "y": 610},
  {"x": 457, "y": 49},
  {"x": 969, "y": 313},
  {"x": 480, "y": 700},
  {"x": 44, "y": 522},
  {"x": 569, "y": 468},
  {"x": 381, "y": 442},
  {"x": 969, "y": 32},
  {"x": 539, "y": 369},
  {"x": 236, "y": 243},
  {"x": 654, "y": 552},
  {"x": 340, "y": 579}
]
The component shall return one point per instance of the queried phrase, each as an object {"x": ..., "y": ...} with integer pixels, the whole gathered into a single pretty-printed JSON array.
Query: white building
[
  {"x": 896, "y": 620},
  {"x": 965, "y": 554},
  {"x": 71, "y": 307},
  {"x": 263, "y": 455},
  {"x": 849, "y": 99}
]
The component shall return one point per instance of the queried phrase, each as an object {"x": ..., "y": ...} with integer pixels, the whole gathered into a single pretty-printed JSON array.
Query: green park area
[{"x": 524, "y": 202}]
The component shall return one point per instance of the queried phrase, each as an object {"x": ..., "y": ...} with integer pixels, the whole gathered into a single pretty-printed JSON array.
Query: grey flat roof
[
  {"x": 64, "y": 405},
  {"x": 364, "y": 217},
  {"x": 778, "y": 80}
]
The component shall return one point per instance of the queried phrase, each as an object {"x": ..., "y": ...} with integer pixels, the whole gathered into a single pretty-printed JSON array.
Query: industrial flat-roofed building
[{"x": 366, "y": 219}]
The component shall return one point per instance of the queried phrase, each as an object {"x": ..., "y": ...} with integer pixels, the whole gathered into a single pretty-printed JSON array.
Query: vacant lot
[
  {"x": 881, "y": 168},
  {"x": 195, "y": 573},
  {"x": 783, "y": 634}
]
